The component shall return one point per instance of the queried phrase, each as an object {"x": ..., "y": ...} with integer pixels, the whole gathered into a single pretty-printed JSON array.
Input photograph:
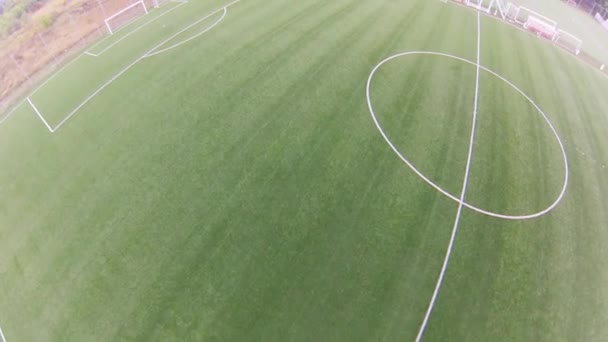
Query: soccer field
[{"x": 297, "y": 170}]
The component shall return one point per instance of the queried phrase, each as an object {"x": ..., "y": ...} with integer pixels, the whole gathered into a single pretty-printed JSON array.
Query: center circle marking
[{"x": 437, "y": 187}]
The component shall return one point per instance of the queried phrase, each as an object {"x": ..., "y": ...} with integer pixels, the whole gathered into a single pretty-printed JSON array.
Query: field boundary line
[
  {"x": 40, "y": 115},
  {"x": 86, "y": 100},
  {"x": 448, "y": 253},
  {"x": 179, "y": 4},
  {"x": 193, "y": 37},
  {"x": 120, "y": 73},
  {"x": 8, "y": 115},
  {"x": 578, "y": 59}
]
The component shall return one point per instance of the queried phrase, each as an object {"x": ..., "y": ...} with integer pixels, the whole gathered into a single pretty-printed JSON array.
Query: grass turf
[{"x": 236, "y": 188}]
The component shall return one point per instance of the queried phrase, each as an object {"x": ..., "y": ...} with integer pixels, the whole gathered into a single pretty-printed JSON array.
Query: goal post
[
  {"x": 568, "y": 41},
  {"x": 158, "y": 3},
  {"x": 499, "y": 8},
  {"x": 541, "y": 27},
  {"x": 125, "y": 16},
  {"x": 531, "y": 21},
  {"x": 524, "y": 14}
]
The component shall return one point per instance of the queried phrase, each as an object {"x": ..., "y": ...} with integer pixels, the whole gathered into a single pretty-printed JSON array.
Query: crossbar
[
  {"x": 140, "y": 2},
  {"x": 538, "y": 15}
]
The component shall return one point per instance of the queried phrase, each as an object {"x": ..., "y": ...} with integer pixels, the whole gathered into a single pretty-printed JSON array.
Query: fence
[{"x": 589, "y": 6}]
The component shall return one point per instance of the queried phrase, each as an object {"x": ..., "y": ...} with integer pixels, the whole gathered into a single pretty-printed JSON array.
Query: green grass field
[{"x": 236, "y": 187}]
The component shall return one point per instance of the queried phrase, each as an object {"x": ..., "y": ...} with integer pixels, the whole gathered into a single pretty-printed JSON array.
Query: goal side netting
[
  {"x": 125, "y": 16},
  {"x": 532, "y": 21},
  {"x": 568, "y": 41}
]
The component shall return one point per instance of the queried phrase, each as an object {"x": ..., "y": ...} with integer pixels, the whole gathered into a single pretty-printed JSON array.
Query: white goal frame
[
  {"x": 158, "y": 3},
  {"x": 479, "y": 5},
  {"x": 140, "y": 2},
  {"x": 512, "y": 14},
  {"x": 562, "y": 33},
  {"x": 532, "y": 13}
]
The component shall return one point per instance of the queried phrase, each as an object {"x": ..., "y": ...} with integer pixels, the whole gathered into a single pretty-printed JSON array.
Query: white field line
[
  {"x": 107, "y": 36},
  {"x": 126, "y": 26},
  {"x": 462, "y": 194},
  {"x": 133, "y": 5},
  {"x": 38, "y": 88},
  {"x": 95, "y": 93},
  {"x": 191, "y": 38},
  {"x": 135, "y": 30},
  {"x": 54, "y": 75},
  {"x": 2, "y": 335},
  {"x": 4, "y": 118},
  {"x": 518, "y": 27},
  {"x": 40, "y": 115},
  {"x": 120, "y": 73},
  {"x": 437, "y": 187},
  {"x": 100, "y": 41}
]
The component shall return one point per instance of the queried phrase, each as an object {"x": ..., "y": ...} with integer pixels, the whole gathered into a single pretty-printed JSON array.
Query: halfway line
[{"x": 462, "y": 195}]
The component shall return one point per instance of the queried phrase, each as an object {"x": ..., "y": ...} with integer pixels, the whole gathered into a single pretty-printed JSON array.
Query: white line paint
[
  {"x": 54, "y": 75},
  {"x": 40, "y": 115},
  {"x": 140, "y": 2},
  {"x": 2, "y": 335},
  {"x": 4, "y": 118},
  {"x": 95, "y": 93},
  {"x": 38, "y": 88},
  {"x": 437, "y": 187},
  {"x": 136, "y": 30},
  {"x": 191, "y": 38},
  {"x": 106, "y": 36},
  {"x": 120, "y": 73},
  {"x": 448, "y": 253}
]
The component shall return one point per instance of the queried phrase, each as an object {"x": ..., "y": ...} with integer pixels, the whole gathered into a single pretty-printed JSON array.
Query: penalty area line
[
  {"x": 462, "y": 195},
  {"x": 120, "y": 73},
  {"x": 40, "y": 115}
]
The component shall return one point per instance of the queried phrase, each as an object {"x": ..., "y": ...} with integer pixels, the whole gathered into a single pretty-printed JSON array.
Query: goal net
[
  {"x": 568, "y": 41},
  {"x": 157, "y": 3},
  {"x": 499, "y": 8},
  {"x": 532, "y": 21},
  {"x": 479, "y": 5},
  {"x": 541, "y": 27},
  {"x": 511, "y": 12},
  {"x": 125, "y": 16}
]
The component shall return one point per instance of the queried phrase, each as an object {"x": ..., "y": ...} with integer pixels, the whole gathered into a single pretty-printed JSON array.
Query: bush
[{"x": 47, "y": 20}]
